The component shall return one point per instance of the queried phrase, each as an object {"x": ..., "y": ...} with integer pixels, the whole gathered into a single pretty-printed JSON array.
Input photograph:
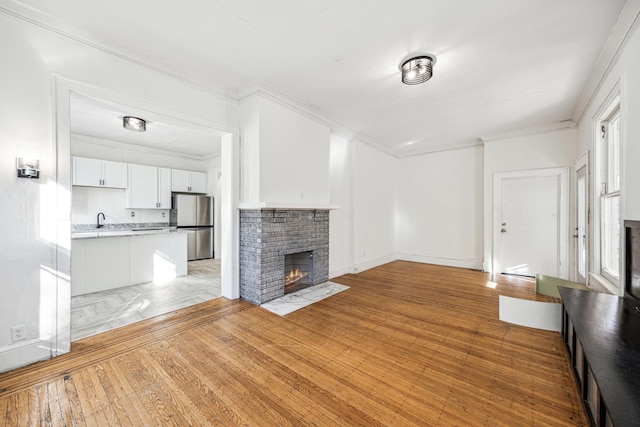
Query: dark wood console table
[{"x": 602, "y": 336}]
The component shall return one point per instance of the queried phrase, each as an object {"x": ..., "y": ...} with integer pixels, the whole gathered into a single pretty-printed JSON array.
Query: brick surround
[{"x": 266, "y": 236}]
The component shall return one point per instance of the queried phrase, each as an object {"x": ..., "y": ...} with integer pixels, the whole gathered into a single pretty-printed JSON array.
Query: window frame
[{"x": 605, "y": 191}]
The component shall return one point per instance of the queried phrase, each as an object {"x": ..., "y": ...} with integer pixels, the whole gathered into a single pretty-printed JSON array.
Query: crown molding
[
  {"x": 427, "y": 151},
  {"x": 628, "y": 21},
  {"x": 281, "y": 98},
  {"x": 197, "y": 81},
  {"x": 551, "y": 127}
]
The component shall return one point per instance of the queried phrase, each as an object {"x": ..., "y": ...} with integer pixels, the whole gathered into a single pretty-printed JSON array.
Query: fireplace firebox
[{"x": 298, "y": 271}]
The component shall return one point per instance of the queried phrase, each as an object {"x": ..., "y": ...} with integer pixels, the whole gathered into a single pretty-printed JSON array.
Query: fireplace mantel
[{"x": 285, "y": 206}]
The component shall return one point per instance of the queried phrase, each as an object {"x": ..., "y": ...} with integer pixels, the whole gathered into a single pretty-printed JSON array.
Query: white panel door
[{"x": 529, "y": 226}]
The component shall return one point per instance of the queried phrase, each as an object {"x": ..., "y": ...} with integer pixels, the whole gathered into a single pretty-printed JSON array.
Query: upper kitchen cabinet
[
  {"x": 99, "y": 173},
  {"x": 188, "y": 181},
  {"x": 149, "y": 187}
]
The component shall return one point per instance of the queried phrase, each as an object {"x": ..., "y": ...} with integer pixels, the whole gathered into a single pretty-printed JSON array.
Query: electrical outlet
[{"x": 18, "y": 333}]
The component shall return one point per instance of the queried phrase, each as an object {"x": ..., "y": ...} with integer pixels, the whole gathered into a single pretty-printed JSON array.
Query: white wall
[
  {"x": 294, "y": 157},
  {"x": 440, "y": 208},
  {"x": 623, "y": 75},
  {"x": 340, "y": 219},
  {"x": 375, "y": 196},
  {"x": 285, "y": 155},
  {"x": 551, "y": 149},
  {"x": 250, "y": 150},
  {"x": 34, "y": 256}
]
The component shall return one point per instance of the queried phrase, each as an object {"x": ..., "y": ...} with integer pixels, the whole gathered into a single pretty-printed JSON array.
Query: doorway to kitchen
[{"x": 95, "y": 312}]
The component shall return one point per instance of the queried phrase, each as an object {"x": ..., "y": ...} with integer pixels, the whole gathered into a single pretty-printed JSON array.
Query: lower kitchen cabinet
[
  {"x": 99, "y": 264},
  {"x": 149, "y": 258},
  {"x": 105, "y": 263}
]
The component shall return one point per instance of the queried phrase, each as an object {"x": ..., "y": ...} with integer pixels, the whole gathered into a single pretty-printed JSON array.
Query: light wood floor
[{"x": 408, "y": 344}]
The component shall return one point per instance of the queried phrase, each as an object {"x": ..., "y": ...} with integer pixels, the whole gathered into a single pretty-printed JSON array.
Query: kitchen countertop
[{"x": 100, "y": 233}]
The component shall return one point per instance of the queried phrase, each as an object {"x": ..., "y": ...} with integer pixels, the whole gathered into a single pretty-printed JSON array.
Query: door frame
[
  {"x": 582, "y": 161},
  {"x": 62, "y": 87},
  {"x": 563, "y": 214}
]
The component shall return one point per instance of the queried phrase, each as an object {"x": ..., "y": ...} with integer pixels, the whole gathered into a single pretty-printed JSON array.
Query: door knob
[
  {"x": 504, "y": 230},
  {"x": 575, "y": 236}
]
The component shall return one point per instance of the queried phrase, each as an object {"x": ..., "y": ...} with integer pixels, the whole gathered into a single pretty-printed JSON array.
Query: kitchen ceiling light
[
  {"x": 417, "y": 69},
  {"x": 134, "y": 124}
]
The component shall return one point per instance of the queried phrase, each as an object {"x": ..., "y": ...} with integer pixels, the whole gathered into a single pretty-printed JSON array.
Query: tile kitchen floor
[{"x": 98, "y": 312}]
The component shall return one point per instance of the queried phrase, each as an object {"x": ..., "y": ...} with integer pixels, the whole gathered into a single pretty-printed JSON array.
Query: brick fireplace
[{"x": 271, "y": 238}]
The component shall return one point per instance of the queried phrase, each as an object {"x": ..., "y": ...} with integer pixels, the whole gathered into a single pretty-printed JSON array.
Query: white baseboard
[
  {"x": 474, "y": 264},
  {"x": 366, "y": 265},
  {"x": 340, "y": 272},
  {"x": 22, "y": 354}
]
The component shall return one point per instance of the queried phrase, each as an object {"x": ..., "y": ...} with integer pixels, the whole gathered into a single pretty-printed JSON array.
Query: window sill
[{"x": 600, "y": 283}]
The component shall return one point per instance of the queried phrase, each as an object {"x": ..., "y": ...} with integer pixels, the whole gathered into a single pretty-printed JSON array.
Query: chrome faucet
[{"x": 98, "y": 220}]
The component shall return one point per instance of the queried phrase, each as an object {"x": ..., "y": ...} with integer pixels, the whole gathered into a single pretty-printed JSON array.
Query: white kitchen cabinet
[
  {"x": 102, "y": 263},
  {"x": 150, "y": 259},
  {"x": 178, "y": 252},
  {"x": 149, "y": 187},
  {"x": 164, "y": 188},
  {"x": 198, "y": 182},
  {"x": 99, "y": 173},
  {"x": 188, "y": 181},
  {"x": 77, "y": 267}
]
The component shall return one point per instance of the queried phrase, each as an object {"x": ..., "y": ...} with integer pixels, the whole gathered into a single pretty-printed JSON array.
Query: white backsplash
[{"x": 88, "y": 201}]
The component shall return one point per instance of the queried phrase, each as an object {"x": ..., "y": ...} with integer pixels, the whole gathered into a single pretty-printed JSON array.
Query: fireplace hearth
[{"x": 282, "y": 251}]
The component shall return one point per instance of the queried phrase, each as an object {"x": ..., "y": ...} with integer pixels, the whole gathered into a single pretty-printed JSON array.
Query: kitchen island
[{"x": 108, "y": 258}]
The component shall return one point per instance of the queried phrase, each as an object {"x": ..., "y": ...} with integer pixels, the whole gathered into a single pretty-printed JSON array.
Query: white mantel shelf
[{"x": 284, "y": 206}]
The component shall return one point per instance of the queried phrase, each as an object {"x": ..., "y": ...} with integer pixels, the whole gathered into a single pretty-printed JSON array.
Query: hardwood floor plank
[
  {"x": 138, "y": 408},
  {"x": 407, "y": 344},
  {"x": 92, "y": 408},
  {"x": 178, "y": 397},
  {"x": 123, "y": 404},
  {"x": 44, "y": 409},
  {"x": 294, "y": 392},
  {"x": 197, "y": 389},
  {"x": 148, "y": 393},
  {"x": 13, "y": 411},
  {"x": 75, "y": 408}
]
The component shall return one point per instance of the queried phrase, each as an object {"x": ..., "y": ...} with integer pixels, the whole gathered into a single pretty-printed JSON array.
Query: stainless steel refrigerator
[{"x": 194, "y": 214}]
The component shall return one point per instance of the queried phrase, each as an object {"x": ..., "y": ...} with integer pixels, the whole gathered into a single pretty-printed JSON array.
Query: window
[{"x": 609, "y": 163}]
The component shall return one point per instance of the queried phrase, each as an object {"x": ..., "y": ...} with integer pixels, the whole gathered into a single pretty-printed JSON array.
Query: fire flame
[{"x": 294, "y": 276}]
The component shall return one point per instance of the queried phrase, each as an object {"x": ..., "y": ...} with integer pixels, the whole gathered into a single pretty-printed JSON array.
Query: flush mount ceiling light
[
  {"x": 417, "y": 69},
  {"x": 134, "y": 124}
]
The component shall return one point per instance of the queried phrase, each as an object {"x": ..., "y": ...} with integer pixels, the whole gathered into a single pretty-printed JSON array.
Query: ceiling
[
  {"x": 502, "y": 65},
  {"x": 103, "y": 120}
]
